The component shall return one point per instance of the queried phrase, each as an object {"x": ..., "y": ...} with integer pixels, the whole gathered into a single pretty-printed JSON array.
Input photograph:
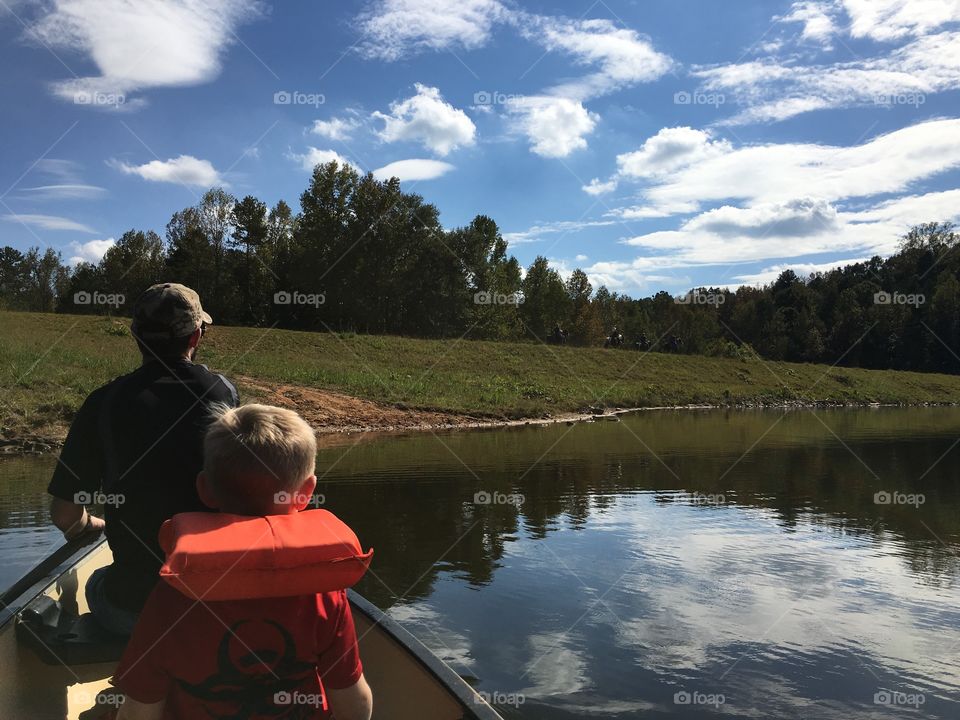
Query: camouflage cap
[{"x": 168, "y": 311}]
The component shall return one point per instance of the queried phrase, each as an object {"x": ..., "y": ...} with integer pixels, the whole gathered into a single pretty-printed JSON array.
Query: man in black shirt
[{"x": 135, "y": 447}]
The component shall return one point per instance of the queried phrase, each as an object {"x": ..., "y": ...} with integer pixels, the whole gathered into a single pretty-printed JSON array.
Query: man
[{"x": 136, "y": 446}]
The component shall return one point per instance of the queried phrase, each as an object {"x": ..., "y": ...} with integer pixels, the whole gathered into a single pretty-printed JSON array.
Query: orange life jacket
[{"x": 218, "y": 556}]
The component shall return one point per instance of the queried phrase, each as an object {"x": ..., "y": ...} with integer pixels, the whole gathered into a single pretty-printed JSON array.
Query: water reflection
[
  {"x": 733, "y": 554},
  {"x": 672, "y": 556}
]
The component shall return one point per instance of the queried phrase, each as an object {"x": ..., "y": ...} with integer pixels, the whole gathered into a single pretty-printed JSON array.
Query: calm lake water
[{"x": 676, "y": 564}]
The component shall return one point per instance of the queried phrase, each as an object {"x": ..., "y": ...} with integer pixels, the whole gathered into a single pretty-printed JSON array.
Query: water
[{"x": 676, "y": 564}]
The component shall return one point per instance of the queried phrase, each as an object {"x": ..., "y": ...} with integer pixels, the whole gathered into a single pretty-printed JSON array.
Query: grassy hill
[{"x": 49, "y": 363}]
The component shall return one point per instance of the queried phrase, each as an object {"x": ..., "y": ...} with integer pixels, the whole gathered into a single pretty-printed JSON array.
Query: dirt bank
[{"x": 344, "y": 419}]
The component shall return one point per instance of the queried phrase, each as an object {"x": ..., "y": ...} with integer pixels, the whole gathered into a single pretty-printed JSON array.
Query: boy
[{"x": 275, "y": 657}]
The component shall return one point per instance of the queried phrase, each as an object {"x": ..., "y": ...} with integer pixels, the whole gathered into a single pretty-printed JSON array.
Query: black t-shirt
[{"x": 136, "y": 445}]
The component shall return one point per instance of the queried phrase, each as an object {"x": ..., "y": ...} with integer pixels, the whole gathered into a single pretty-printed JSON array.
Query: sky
[{"x": 658, "y": 145}]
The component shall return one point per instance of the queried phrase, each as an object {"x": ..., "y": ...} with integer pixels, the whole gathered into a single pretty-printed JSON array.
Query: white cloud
[
  {"x": 663, "y": 209},
  {"x": 185, "y": 169},
  {"x": 395, "y": 28},
  {"x": 140, "y": 45},
  {"x": 65, "y": 191},
  {"x": 623, "y": 57},
  {"x": 891, "y": 19},
  {"x": 413, "y": 169},
  {"x": 427, "y": 119},
  {"x": 316, "y": 156},
  {"x": 555, "y": 126},
  {"x": 91, "y": 252},
  {"x": 792, "y": 230},
  {"x": 64, "y": 182},
  {"x": 635, "y": 277},
  {"x": 670, "y": 150},
  {"x": 567, "y": 227},
  {"x": 769, "y": 274},
  {"x": 335, "y": 128},
  {"x": 555, "y": 121},
  {"x": 773, "y": 91},
  {"x": 48, "y": 222},
  {"x": 817, "y": 19},
  {"x": 780, "y": 233},
  {"x": 596, "y": 187},
  {"x": 797, "y": 218},
  {"x": 783, "y": 172}
]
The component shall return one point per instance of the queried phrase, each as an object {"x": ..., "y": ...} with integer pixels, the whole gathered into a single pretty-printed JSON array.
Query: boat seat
[{"x": 59, "y": 637}]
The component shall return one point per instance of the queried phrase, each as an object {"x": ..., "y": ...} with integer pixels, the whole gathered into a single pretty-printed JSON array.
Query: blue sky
[{"x": 657, "y": 145}]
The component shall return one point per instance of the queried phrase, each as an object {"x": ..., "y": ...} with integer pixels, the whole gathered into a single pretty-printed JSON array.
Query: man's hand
[{"x": 74, "y": 520}]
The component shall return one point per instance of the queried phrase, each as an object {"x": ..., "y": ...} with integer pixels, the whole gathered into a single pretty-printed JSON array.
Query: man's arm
[
  {"x": 352, "y": 703},
  {"x": 133, "y": 710},
  {"x": 73, "y": 520},
  {"x": 78, "y": 473}
]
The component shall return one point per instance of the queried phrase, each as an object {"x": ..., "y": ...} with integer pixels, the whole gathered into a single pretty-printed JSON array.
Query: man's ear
[
  {"x": 305, "y": 493},
  {"x": 205, "y": 490},
  {"x": 195, "y": 338}
]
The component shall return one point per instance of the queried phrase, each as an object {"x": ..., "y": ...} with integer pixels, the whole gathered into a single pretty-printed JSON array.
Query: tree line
[{"x": 364, "y": 256}]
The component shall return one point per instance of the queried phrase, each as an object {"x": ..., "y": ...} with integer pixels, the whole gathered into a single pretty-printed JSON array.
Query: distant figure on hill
[
  {"x": 135, "y": 447},
  {"x": 614, "y": 339},
  {"x": 558, "y": 336}
]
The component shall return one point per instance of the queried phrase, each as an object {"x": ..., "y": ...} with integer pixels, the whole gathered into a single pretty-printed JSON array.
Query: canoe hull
[{"x": 408, "y": 681}]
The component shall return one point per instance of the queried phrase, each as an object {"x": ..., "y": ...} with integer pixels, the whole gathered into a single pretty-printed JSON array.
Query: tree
[
  {"x": 132, "y": 265},
  {"x": 545, "y": 301},
  {"x": 584, "y": 320},
  {"x": 12, "y": 281},
  {"x": 45, "y": 279},
  {"x": 253, "y": 274}
]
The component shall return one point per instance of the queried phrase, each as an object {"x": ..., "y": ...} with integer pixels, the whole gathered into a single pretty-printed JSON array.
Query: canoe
[{"x": 58, "y": 663}]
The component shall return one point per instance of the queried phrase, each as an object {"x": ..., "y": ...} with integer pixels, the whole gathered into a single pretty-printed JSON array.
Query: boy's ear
[
  {"x": 305, "y": 493},
  {"x": 205, "y": 490}
]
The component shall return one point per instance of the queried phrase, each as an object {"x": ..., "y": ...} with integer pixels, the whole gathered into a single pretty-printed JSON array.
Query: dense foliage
[{"x": 364, "y": 256}]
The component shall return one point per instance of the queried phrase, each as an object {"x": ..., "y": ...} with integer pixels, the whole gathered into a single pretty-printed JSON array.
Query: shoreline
[{"x": 339, "y": 419}]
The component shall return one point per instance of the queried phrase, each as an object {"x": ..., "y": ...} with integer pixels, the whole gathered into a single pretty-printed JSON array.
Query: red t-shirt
[{"x": 265, "y": 658}]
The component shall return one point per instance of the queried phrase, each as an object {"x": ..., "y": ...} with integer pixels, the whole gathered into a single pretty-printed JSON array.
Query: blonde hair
[{"x": 258, "y": 442}]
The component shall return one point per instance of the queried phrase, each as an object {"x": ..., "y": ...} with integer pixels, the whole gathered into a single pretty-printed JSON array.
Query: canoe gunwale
[
  {"x": 473, "y": 704},
  {"x": 44, "y": 574}
]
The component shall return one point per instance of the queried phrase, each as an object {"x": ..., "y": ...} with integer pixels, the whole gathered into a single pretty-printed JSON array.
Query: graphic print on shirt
[{"x": 258, "y": 675}]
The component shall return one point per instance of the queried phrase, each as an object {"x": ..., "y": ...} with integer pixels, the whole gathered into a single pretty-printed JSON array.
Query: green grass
[{"x": 51, "y": 362}]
